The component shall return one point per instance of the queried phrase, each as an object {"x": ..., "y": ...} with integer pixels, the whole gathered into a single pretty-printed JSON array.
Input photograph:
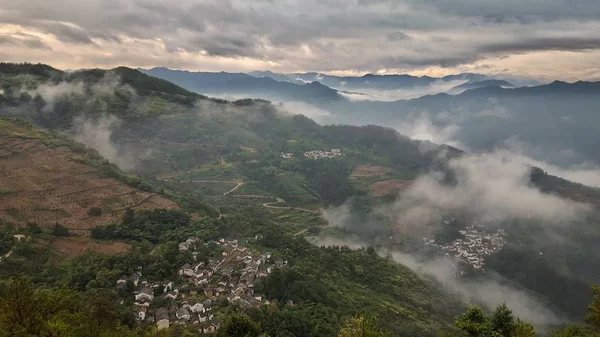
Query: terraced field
[{"x": 46, "y": 185}]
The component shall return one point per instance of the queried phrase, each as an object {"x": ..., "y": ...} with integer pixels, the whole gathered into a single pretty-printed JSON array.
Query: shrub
[{"x": 94, "y": 211}]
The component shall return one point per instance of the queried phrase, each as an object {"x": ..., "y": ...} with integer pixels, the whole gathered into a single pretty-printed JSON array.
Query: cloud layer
[
  {"x": 495, "y": 187},
  {"x": 435, "y": 37}
]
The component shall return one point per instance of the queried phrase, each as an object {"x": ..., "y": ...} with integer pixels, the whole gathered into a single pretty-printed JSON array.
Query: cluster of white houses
[
  {"x": 182, "y": 312},
  {"x": 476, "y": 243},
  {"x": 233, "y": 276},
  {"x": 316, "y": 154}
]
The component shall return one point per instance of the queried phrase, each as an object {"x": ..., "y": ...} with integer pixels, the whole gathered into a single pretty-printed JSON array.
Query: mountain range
[
  {"x": 477, "y": 114},
  {"x": 244, "y": 85},
  {"x": 480, "y": 84}
]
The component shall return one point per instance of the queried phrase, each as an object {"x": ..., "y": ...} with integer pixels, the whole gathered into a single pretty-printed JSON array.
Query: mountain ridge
[{"x": 244, "y": 84}]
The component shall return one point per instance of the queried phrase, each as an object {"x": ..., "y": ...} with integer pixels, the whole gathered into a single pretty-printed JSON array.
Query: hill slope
[{"x": 47, "y": 179}]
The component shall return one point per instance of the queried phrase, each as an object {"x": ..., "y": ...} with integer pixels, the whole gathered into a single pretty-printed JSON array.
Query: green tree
[
  {"x": 128, "y": 216},
  {"x": 34, "y": 228},
  {"x": 19, "y": 309},
  {"x": 60, "y": 230},
  {"x": 523, "y": 329},
  {"x": 593, "y": 316},
  {"x": 474, "y": 322},
  {"x": 570, "y": 331},
  {"x": 95, "y": 211},
  {"x": 363, "y": 326},
  {"x": 238, "y": 325},
  {"x": 503, "y": 321}
]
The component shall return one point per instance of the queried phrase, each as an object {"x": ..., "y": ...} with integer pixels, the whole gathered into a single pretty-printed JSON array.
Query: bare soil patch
[
  {"x": 386, "y": 187},
  {"x": 370, "y": 171},
  {"x": 73, "y": 247}
]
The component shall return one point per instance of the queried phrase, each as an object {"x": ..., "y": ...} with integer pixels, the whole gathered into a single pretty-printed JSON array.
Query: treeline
[
  {"x": 474, "y": 322},
  {"x": 28, "y": 311},
  {"x": 160, "y": 225},
  {"x": 344, "y": 282}
]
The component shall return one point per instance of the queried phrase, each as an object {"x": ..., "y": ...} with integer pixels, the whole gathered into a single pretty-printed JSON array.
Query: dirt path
[
  {"x": 278, "y": 200},
  {"x": 306, "y": 229},
  {"x": 235, "y": 188},
  {"x": 301, "y": 232},
  {"x": 257, "y": 196},
  {"x": 239, "y": 184}
]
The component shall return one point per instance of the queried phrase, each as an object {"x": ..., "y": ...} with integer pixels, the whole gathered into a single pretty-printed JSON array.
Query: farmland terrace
[{"x": 48, "y": 185}]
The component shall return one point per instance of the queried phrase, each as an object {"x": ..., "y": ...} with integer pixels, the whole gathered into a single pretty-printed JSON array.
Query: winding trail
[
  {"x": 277, "y": 200},
  {"x": 306, "y": 229},
  {"x": 239, "y": 184}
]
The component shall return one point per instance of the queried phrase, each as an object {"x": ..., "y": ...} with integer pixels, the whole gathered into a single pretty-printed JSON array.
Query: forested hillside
[
  {"x": 214, "y": 199},
  {"x": 267, "y": 171}
]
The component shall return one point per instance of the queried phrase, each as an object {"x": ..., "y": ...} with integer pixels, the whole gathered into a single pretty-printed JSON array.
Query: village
[
  {"x": 207, "y": 282},
  {"x": 316, "y": 154},
  {"x": 476, "y": 243}
]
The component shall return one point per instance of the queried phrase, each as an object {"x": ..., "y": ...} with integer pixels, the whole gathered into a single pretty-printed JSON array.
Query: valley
[{"x": 99, "y": 191}]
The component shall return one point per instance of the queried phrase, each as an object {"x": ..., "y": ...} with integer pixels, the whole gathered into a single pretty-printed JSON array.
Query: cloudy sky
[{"x": 541, "y": 39}]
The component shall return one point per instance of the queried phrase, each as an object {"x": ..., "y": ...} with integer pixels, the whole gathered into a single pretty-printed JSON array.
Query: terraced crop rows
[{"x": 48, "y": 185}]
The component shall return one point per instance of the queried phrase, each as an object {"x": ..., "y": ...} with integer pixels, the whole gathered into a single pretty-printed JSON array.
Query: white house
[
  {"x": 182, "y": 313},
  {"x": 198, "y": 307},
  {"x": 171, "y": 295},
  {"x": 145, "y": 294}
]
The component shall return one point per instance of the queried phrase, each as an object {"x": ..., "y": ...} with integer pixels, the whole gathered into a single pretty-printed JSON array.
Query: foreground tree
[
  {"x": 238, "y": 325},
  {"x": 503, "y": 321},
  {"x": 523, "y": 329},
  {"x": 363, "y": 326},
  {"x": 474, "y": 322},
  {"x": 593, "y": 316}
]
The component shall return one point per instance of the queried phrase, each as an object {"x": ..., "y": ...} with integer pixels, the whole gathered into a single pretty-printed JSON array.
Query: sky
[{"x": 535, "y": 39}]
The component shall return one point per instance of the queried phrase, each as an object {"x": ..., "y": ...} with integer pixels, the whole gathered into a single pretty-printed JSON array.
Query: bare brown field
[
  {"x": 73, "y": 247},
  {"x": 369, "y": 171},
  {"x": 386, "y": 187},
  {"x": 48, "y": 185}
]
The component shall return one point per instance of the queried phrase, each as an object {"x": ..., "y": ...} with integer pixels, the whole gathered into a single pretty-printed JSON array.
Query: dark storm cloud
[
  {"x": 224, "y": 46},
  {"x": 68, "y": 34},
  {"x": 8, "y": 40},
  {"x": 24, "y": 41},
  {"x": 545, "y": 10},
  {"x": 416, "y": 61},
  {"x": 537, "y": 44}
]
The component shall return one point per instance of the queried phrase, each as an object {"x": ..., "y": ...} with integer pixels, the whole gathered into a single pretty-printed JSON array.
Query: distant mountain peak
[{"x": 481, "y": 84}]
